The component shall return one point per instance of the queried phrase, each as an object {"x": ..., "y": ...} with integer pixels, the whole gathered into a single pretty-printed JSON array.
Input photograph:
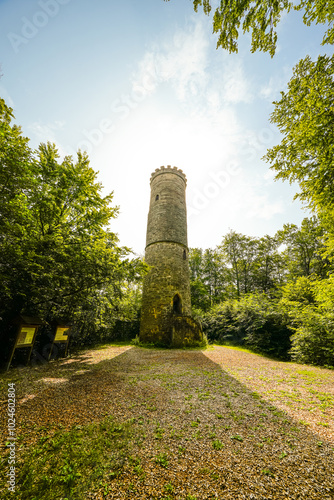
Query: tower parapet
[{"x": 171, "y": 170}]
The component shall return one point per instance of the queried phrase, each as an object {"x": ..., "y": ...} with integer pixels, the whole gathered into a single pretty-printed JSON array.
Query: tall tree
[
  {"x": 199, "y": 292},
  {"x": 240, "y": 253},
  {"x": 304, "y": 248},
  {"x": 305, "y": 117},
  {"x": 269, "y": 265},
  {"x": 16, "y": 182},
  {"x": 16, "y": 178},
  {"x": 261, "y": 19},
  {"x": 58, "y": 256},
  {"x": 209, "y": 277},
  {"x": 215, "y": 274}
]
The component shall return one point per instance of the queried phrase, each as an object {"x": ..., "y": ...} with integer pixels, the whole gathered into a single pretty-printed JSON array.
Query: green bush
[
  {"x": 313, "y": 340},
  {"x": 309, "y": 302},
  {"x": 254, "y": 321}
]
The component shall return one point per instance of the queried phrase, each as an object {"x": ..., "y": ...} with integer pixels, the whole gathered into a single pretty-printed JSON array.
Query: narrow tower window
[
  {"x": 177, "y": 304},
  {"x": 184, "y": 255},
  {"x": 157, "y": 197}
]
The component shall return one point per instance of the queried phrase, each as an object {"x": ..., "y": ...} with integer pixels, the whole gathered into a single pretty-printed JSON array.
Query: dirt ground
[{"x": 219, "y": 423}]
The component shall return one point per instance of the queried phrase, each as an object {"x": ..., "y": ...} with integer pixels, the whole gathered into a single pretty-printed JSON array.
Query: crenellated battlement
[{"x": 168, "y": 170}]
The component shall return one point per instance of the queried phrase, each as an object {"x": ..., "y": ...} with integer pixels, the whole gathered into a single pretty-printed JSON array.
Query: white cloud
[
  {"x": 239, "y": 206},
  {"x": 184, "y": 63},
  {"x": 181, "y": 62},
  {"x": 6, "y": 96},
  {"x": 270, "y": 91},
  {"x": 260, "y": 207},
  {"x": 236, "y": 87},
  {"x": 47, "y": 133},
  {"x": 269, "y": 175}
]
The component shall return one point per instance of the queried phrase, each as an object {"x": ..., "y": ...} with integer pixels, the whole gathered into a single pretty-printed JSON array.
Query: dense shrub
[
  {"x": 310, "y": 308},
  {"x": 313, "y": 340},
  {"x": 254, "y": 321},
  {"x": 219, "y": 324}
]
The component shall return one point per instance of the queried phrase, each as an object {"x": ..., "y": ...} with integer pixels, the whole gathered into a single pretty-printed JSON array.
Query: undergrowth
[{"x": 67, "y": 464}]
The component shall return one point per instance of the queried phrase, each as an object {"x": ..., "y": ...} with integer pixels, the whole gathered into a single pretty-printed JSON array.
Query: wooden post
[
  {"x": 61, "y": 336},
  {"x": 26, "y": 336}
]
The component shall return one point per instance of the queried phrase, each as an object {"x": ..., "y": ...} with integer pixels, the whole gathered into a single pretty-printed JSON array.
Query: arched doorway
[{"x": 177, "y": 304}]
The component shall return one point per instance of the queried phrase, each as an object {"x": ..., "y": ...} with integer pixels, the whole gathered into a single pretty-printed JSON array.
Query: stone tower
[{"x": 166, "y": 308}]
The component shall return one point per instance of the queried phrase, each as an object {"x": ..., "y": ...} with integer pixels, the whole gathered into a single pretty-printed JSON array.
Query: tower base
[
  {"x": 186, "y": 332},
  {"x": 176, "y": 331}
]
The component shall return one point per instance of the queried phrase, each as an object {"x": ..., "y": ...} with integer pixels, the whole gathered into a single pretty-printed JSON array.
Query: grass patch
[
  {"x": 217, "y": 444},
  {"x": 242, "y": 349},
  {"x": 198, "y": 346},
  {"x": 237, "y": 438},
  {"x": 98, "y": 347},
  {"x": 67, "y": 464},
  {"x": 162, "y": 459}
]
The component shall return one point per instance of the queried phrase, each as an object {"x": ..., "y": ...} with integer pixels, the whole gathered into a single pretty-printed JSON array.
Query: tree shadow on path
[{"x": 222, "y": 440}]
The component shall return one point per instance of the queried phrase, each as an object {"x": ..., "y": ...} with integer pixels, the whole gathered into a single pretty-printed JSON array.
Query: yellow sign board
[
  {"x": 61, "y": 334},
  {"x": 26, "y": 335}
]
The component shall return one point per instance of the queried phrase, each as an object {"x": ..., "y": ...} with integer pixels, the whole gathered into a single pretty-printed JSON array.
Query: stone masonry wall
[
  {"x": 167, "y": 218},
  {"x": 167, "y": 255},
  {"x": 168, "y": 276}
]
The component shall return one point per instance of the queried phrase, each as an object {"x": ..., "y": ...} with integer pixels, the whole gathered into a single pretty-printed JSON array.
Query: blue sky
[{"x": 141, "y": 84}]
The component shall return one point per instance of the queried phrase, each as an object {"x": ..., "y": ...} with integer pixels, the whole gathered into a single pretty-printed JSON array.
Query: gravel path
[{"x": 220, "y": 424}]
